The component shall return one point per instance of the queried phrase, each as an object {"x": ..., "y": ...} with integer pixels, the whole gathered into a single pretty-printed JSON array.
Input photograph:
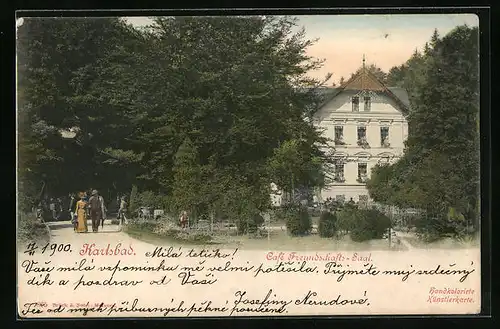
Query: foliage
[
  {"x": 187, "y": 179},
  {"x": 294, "y": 166},
  {"x": 30, "y": 229},
  {"x": 362, "y": 224},
  {"x": 440, "y": 167},
  {"x": 249, "y": 224},
  {"x": 346, "y": 218},
  {"x": 169, "y": 230},
  {"x": 378, "y": 222},
  {"x": 134, "y": 202},
  {"x": 298, "y": 220},
  {"x": 431, "y": 227},
  {"x": 327, "y": 224},
  {"x": 168, "y": 110},
  {"x": 62, "y": 65}
]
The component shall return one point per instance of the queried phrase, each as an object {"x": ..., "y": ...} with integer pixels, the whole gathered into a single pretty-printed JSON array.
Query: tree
[
  {"x": 167, "y": 107},
  {"x": 440, "y": 168},
  {"x": 59, "y": 65},
  {"x": 187, "y": 178},
  {"x": 238, "y": 104},
  {"x": 375, "y": 70}
]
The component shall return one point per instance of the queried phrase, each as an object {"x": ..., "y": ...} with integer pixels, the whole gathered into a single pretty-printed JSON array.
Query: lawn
[
  {"x": 446, "y": 243},
  {"x": 277, "y": 240}
]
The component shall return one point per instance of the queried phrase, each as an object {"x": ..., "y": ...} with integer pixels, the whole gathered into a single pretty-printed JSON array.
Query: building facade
[{"x": 365, "y": 120}]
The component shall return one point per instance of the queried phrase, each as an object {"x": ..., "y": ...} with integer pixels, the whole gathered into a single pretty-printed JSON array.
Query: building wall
[{"x": 384, "y": 112}]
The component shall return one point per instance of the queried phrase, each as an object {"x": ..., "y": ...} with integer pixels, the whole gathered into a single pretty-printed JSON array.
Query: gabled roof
[{"x": 365, "y": 80}]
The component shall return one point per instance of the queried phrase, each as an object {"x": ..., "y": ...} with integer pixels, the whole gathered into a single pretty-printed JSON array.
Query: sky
[{"x": 385, "y": 40}]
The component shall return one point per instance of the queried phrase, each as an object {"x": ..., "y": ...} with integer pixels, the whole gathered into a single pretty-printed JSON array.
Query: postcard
[{"x": 201, "y": 166}]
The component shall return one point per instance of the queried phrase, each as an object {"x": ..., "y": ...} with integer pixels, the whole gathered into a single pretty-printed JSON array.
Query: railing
[{"x": 363, "y": 143}]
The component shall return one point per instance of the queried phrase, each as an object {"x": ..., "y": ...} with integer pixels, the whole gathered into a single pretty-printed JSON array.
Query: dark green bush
[
  {"x": 346, "y": 219},
  {"x": 327, "y": 224},
  {"x": 378, "y": 223},
  {"x": 363, "y": 224},
  {"x": 298, "y": 220},
  {"x": 432, "y": 227},
  {"x": 249, "y": 225}
]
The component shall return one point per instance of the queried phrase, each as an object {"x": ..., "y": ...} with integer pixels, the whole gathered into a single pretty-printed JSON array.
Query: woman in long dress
[{"x": 81, "y": 213}]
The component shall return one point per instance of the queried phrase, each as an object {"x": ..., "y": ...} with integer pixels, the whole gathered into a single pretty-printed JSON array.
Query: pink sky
[{"x": 386, "y": 40}]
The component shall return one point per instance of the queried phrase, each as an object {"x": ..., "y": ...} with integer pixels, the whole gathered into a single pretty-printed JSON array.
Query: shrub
[
  {"x": 279, "y": 214},
  {"x": 327, "y": 224},
  {"x": 146, "y": 226},
  {"x": 346, "y": 220},
  {"x": 166, "y": 227},
  {"x": 432, "y": 227},
  {"x": 378, "y": 223},
  {"x": 249, "y": 224},
  {"x": 298, "y": 220},
  {"x": 31, "y": 230},
  {"x": 363, "y": 224},
  {"x": 170, "y": 230}
]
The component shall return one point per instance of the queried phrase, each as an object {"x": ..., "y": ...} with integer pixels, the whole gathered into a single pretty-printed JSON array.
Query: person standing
[
  {"x": 81, "y": 215},
  {"x": 96, "y": 204},
  {"x": 122, "y": 210},
  {"x": 71, "y": 210},
  {"x": 52, "y": 207}
]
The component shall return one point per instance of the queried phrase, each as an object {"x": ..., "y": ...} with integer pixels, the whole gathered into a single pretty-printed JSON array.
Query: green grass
[
  {"x": 278, "y": 240},
  {"x": 144, "y": 234},
  {"x": 446, "y": 243}
]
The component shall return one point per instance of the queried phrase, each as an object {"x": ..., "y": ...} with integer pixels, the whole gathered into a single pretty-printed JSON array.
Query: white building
[{"x": 365, "y": 120}]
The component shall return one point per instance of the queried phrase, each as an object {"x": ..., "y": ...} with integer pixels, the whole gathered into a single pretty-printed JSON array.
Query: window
[
  {"x": 355, "y": 104},
  {"x": 339, "y": 173},
  {"x": 339, "y": 135},
  {"x": 340, "y": 198},
  {"x": 362, "y": 141},
  {"x": 361, "y": 133},
  {"x": 384, "y": 136},
  {"x": 363, "y": 199},
  {"x": 362, "y": 173},
  {"x": 368, "y": 103}
]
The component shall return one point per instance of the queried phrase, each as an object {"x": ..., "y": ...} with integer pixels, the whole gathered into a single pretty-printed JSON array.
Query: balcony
[
  {"x": 339, "y": 141},
  {"x": 385, "y": 143},
  {"x": 362, "y": 179},
  {"x": 339, "y": 178},
  {"x": 362, "y": 142}
]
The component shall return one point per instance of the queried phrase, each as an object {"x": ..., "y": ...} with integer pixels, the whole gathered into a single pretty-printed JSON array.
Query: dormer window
[
  {"x": 368, "y": 103},
  {"x": 355, "y": 104}
]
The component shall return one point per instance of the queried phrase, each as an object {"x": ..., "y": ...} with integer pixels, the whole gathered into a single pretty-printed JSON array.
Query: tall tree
[
  {"x": 440, "y": 168},
  {"x": 57, "y": 61},
  {"x": 375, "y": 70},
  {"x": 236, "y": 104},
  {"x": 134, "y": 97},
  {"x": 187, "y": 178}
]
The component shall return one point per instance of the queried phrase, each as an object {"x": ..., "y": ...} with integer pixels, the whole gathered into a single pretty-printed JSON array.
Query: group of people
[{"x": 86, "y": 207}]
